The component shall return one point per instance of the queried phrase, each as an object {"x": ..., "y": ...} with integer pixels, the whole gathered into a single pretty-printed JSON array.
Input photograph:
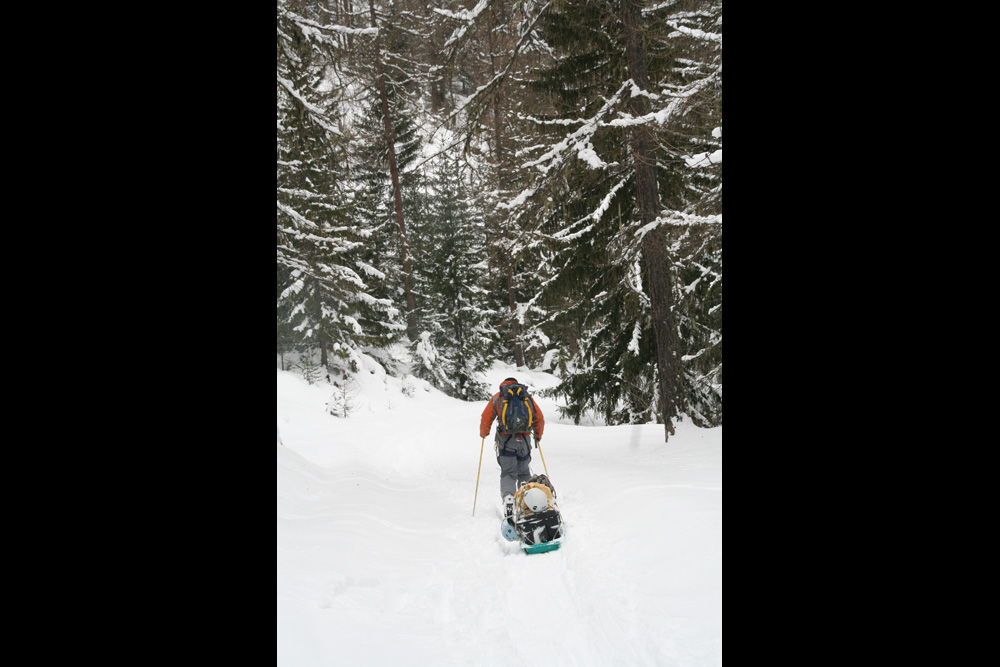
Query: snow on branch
[
  {"x": 524, "y": 151},
  {"x": 309, "y": 27},
  {"x": 295, "y": 287},
  {"x": 580, "y": 139},
  {"x": 633, "y": 345},
  {"x": 711, "y": 344},
  {"x": 695, "y": 33},
  {"x": 577, "y": 143},
  {"x": 704, "y": 159},
  {"x": 606, "y": 202},
  {"x": 704, "y": 272},
  {"x": 341, "y": 247},
  {"x": 681, "y": 218},
  {"x": 567, "y": 234},
  {"x": 525, "y": 31},
  {"x": 383, "y": 304},
  {"x": 553, "y": 121},
  {"x": 517, "y": 201},
  {"x": 637, "y": 92},
  {"x": 465, "y": 16},
  {"x": 657, "y": 7},
  {"x": 345, "y": 30},
  {"x": 370, "y": 270},
  {"x": 677, "y": 218},
  {"x": 315, "y": 112},
  {"x": 674, "y": 108},
  {"x": 633, "y": 282},
  {"x": 295, "y": 216}
]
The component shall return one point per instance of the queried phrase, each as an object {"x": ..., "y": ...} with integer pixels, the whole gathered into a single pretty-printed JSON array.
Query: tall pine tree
[
  {"x": 458, "y": 338},
  {"x": 321, "y": 294}
]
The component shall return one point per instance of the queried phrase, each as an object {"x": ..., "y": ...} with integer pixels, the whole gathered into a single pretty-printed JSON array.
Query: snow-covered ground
[{"x": 381, "y": 561}]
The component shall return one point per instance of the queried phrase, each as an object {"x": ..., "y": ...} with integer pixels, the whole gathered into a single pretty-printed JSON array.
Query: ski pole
[
  {"x": 538, "y": 444},
  {"x": 477, "y": 475}
]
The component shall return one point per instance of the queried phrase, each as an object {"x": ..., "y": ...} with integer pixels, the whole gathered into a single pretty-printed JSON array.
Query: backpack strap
[{"x": 496, "y": 412}]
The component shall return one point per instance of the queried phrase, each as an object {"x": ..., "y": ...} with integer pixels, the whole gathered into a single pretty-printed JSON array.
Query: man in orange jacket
[{"x": 513, "y": 449}]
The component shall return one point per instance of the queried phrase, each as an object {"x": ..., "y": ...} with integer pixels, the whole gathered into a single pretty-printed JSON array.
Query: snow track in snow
[{"x": 380, "y": 561}]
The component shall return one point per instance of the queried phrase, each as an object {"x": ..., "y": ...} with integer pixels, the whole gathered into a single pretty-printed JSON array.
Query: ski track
[{"x": 395, "y": 565}]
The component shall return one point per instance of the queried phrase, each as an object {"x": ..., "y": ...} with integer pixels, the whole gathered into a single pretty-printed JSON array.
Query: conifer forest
[{"x": 534, "y": 181}]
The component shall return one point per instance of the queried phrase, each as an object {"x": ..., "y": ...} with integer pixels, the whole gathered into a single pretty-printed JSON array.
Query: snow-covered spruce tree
[
  {"x": 697, "y": 232},
  {"x": 680, "y": 119},
  {"x": 612, "y": 193},
  {"x": 374, "y": 199},
  {"x": 457, "y": 339},
  {"x": 320, "y": 292},
  {"x": 376, "y": 66},
  {"x": 390, "y": 249},
  {"x": 489, "y": 44}
]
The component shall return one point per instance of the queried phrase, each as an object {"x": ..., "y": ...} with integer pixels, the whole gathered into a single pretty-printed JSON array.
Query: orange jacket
[{"x": 490, "y": 413}]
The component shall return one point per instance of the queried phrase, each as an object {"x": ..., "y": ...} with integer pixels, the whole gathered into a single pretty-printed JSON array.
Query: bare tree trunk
[
  {"x": 411, "y": 317},
  {"x": 654, "y": 245},
  {"x": 436, "y": 80},
  {"x": 349, "y": 21},
  {"x": 319, "y": 318},
  {"x": 515, "y": 327}
]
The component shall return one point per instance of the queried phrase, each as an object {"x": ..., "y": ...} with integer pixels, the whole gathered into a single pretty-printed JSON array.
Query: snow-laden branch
[
  {"x": 580, "y": 139},
  {"x": 524, "y": 151},
  {"x": 294, "y": 288},
  {"x": 704, "y": 159},
  {"x": 342, "y": 246},
  {"x": 677, "y": 218},
  {"x": 657, "y": 7},
  {"x": 295, "y": 216},
  {"x": 305, "y": 194},
  {"x": 468, "y": 17},
  {"x": 694, "y": 33},
  {"x": 673, "y": 108},
  {"x": 315, "y": 112},
  {"x": 384, "y": 304},
  {"x": 370, "y": 270},
  {"x": 636, "y": 91},
  {"x": 518, "y": 200},
  {"x": 308, "y": 26},
  {"x": 339, "y": 245},
  {"x": 526, "y": 29},
  {"x": 606, "y": 202},
  {"x": 690, "y": 287},
  {"x": 553, "y": 121},
  {"x": 633, "y": 345},
  {"x": 633, "y": 282},
  {"x": 714, "y": 342},
  {"x": 578, "y": 143},
  {"x": 567, "y": 233}
]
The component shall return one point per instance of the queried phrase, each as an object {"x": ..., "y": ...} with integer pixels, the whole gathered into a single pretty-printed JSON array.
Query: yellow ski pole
[
  {"x": 477, "y": 475},
  {"x": 538, "y": 444}
]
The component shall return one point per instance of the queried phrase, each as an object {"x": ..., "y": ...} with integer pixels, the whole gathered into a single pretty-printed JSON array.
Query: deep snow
[{"x": 381, "y": 561}]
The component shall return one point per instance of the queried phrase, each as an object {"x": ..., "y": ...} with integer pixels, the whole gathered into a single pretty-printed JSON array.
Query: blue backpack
[{"x": 514, "y": 409}]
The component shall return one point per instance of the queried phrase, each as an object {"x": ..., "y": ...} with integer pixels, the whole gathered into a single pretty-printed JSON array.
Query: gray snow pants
[{"x": 514, "y": 457}]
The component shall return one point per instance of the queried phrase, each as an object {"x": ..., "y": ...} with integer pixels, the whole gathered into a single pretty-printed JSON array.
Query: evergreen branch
[
  {"x": 315, "y": 112},
  {"x": 475, "y": 103}
]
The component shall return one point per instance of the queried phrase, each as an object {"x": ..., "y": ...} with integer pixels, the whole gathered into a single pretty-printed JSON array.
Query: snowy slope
[{"x": 381, "y": 561}]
